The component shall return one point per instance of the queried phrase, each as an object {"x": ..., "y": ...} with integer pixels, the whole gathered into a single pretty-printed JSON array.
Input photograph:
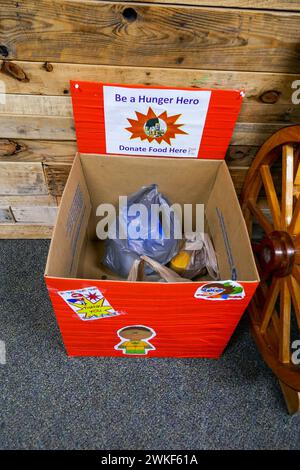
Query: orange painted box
[{"x": 129, "y": 137}]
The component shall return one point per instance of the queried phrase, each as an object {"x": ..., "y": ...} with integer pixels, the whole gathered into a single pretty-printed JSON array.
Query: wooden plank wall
[{"x": 209, "y": 43}]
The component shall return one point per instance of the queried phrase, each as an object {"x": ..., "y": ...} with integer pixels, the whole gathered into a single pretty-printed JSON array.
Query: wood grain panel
[
  {"x": 36, "y": 127},
  {"x": 22, "y": 179},
  {"x": 31, "y": 209},
  {"x": 290, "y": 5},
  {"x": 61, "y": 106},
  {"x": 57, "y": 175},
  {"x": 27, "y": 201},
  {"x": 48, "y": 151},
  {"x": 241, "y": 155},
  {"x": 259, "y": 87},
  {"x": 62, "y": 128},
  {"x": 25, "y": 231},
  {"x": 35, "y": 214},
  {"x": 13, "y": 150},
  {"x": 156, "y": 35},
  {"x": 253, "y": 133},
  {"x": 31, "y": 105},
  {"x": 5, "y": 213}
]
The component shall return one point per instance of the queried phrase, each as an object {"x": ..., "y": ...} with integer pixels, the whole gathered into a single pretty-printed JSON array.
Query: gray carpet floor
[{"x": 49, "y": 401}]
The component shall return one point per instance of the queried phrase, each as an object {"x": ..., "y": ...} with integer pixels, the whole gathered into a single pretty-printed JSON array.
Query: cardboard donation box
[{"x": 129, "y": 137}]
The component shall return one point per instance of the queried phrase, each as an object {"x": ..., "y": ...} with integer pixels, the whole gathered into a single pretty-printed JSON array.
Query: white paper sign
[
  {"x": 156, "y": 122},
  {"x": 88, "y": 303}
]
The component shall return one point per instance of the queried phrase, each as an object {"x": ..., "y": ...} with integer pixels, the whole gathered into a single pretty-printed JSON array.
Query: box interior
[{"x": 75, "y": 251}]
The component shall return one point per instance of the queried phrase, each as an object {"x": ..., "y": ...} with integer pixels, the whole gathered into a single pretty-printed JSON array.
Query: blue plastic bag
[{"x": 152, "y": 241}]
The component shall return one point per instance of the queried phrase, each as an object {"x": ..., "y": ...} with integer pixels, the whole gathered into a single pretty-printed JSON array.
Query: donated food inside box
[
  {"x": 177, "y": 317},
  {"x": 95, "y": 179}
]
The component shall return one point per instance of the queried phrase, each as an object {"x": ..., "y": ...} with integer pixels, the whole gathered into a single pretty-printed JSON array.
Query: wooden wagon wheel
[{"x": 274, "y": 204}]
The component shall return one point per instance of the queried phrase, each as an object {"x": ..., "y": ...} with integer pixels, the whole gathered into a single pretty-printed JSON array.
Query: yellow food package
[{"x": 181, "y": 261}]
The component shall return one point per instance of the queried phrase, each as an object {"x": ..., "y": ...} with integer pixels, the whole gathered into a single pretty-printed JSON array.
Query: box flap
[{"x": 155, "y": 121}]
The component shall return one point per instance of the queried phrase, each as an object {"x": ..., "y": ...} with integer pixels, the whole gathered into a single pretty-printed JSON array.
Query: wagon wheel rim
[{"x": 277, "y": 254}]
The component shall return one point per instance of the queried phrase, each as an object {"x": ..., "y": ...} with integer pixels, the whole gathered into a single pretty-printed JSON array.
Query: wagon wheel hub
[{"x": 276, "y": 254}]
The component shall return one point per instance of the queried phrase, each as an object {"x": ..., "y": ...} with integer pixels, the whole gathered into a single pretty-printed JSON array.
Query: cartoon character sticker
[
  {"x": 135, "y": 340},
  {"x": 223, "y": 290},
  {"x": 88, "y": 303}
]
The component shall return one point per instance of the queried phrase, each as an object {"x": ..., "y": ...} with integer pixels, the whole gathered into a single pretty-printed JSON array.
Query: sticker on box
[
  {"x": 135, "y": 340},
  {"x": 223, "y": 290},
  {"x": 88, "y": 303}
]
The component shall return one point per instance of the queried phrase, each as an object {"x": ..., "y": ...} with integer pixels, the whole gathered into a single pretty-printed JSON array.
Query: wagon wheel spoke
[
  {"x": 285, "y": 322},
  {"x": 296, "y": 157},
  {"x": 271, "y": 195},
  {"x": 269, "y": 304},
  {"x": 260, "y": 217},
  {"x": 267, "y": 297},
  {"x": 255, "y": 186},
  {"x": 287, "y": 185},
  {"x": 294, "y": 288},
  {"x": 296, "y": 273},
  {"x": 272, "y": 332},
  {"x": 294, "y": 227},
  {"x": 297, "y": 176}
]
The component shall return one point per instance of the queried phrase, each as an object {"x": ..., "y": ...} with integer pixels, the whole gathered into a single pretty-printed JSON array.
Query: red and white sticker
[
  {"x": 88, "y": 303},
  {"x": 220, "y": 290},
  {"x": 153, "y": 121}
]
